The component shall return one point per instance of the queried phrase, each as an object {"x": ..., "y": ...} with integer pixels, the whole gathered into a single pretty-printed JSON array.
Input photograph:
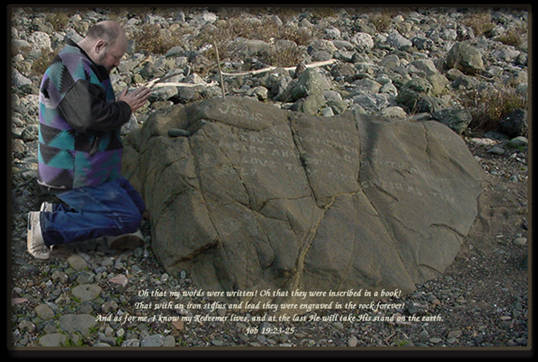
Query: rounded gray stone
[
  {"x": 43, "y": 311},
  {"x": 53, "y": 340},
  {"x": 77, "y": 323},
  {"x": 77, "y": 262},
  {"x": 154, "y": 340},
  {"x": 86, "y": 292}
]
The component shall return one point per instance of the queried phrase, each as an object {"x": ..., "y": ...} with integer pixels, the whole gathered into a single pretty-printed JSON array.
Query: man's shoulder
[
  {"x": 71, "y": 53},
  {"x": 79, "y": 64}
]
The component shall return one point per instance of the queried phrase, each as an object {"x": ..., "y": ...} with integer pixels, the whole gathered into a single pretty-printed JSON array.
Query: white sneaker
[
  {"x": 125, "y": 241},
  {"x": 46, "y": 206},
  {"x": 34, "y": 239}
]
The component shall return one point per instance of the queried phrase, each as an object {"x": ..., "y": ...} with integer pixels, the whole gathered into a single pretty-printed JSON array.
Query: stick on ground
[{"x": 220, "y": 71}]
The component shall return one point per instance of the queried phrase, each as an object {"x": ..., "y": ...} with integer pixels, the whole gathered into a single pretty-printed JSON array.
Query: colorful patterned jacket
[{"x": 79, "y": 123}]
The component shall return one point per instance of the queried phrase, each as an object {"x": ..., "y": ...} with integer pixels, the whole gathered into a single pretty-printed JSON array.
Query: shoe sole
[{"x": 29, "y": 241}]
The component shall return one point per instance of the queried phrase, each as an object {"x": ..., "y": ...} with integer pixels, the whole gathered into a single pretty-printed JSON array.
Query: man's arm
[{"x": 85, "y": 108}]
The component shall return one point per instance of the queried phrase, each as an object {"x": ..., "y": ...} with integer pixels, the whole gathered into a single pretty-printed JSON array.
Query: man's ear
[{"x": 100, "y": 45}]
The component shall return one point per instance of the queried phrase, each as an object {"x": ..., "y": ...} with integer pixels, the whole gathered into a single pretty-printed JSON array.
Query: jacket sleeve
[{"x": 85, "y": 108}]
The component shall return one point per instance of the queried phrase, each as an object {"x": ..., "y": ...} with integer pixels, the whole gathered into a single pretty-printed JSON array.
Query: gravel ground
[{"x": 481, "y": 301}]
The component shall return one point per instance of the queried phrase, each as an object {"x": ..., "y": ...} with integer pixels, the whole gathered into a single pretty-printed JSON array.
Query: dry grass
[
  {"x": 285, "y": 13},
  {"x": 285, "y": 57},
  {"x": 489, "y": 107},
  {"x": 153, "y": 39},
  {"x": 512, "y": 36},
  {"x": 480, "y": 22},
  {"x": 382, "y": 20},
  {"x": 40, "y": 65},
  {"x": 225, "y": 32},
  {"x": 58, "y": 20},
  {"x": 263, "y": 30},
  {"x": 324, "y": 12}
]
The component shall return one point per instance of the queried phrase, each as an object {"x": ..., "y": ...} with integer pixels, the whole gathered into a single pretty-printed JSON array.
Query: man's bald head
[
  {"x": 108, "y": 30},
  {"x": 105, "y": 43}
]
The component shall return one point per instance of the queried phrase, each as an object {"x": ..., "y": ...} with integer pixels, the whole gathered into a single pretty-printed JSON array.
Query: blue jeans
[{"x": 110, "y": 209}]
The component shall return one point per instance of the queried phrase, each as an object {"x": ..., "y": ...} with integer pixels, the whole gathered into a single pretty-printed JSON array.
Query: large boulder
[
  {"x": 465, "y": 57},
  {"x": 310, "y": 82},
  {"x": 416, "y": 95},
  {"x": 258, "y": 197}
]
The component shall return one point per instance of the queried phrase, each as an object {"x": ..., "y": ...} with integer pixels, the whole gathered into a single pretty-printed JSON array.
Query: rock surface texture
[{"x": 258, "y": 197}]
